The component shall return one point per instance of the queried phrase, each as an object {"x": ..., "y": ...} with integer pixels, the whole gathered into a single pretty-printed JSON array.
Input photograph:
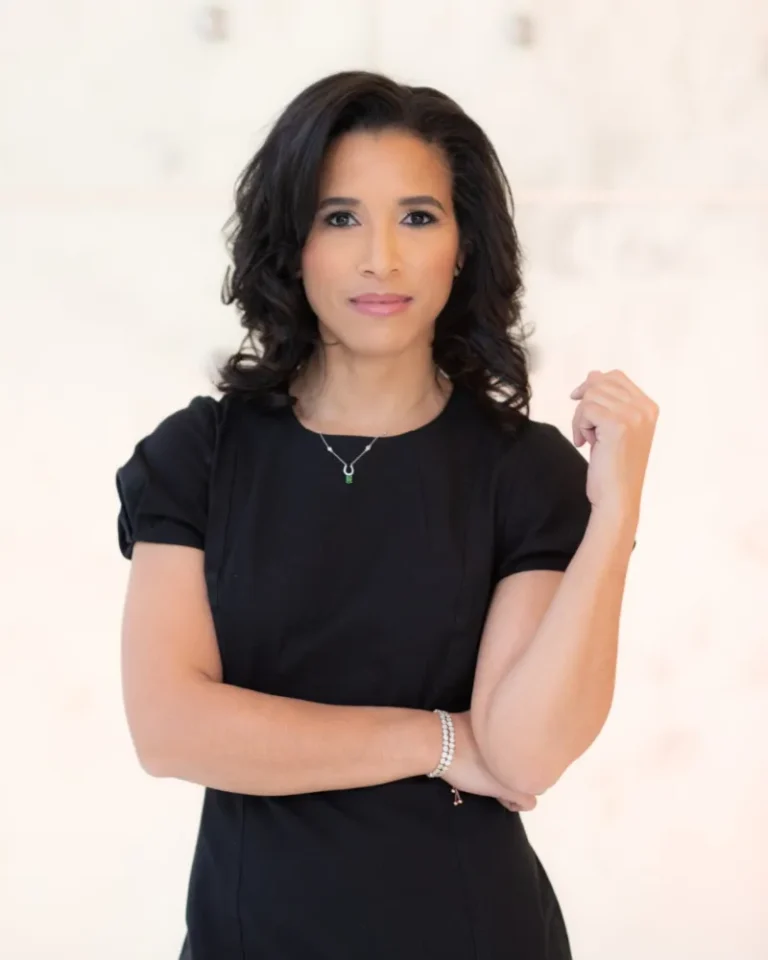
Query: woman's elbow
[
  {"x": 516, "y": 770},
  {"x": 152, "y": 759}
]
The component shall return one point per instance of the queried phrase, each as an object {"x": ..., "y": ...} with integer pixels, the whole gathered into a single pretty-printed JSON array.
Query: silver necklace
[{"x": 349, "y": 468}]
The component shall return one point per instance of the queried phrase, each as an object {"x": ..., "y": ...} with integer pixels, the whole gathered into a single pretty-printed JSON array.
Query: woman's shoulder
[
  {"x": 539, "y": 459},
  {"x": 517, "y": 439},
  {"x": 540, "y": 441},
  {"x": 163, "y": 485},
  {"x": 201, "y": 414},
  {"x": 196, "y": 424},
  {"x": 188, "y": 438}
]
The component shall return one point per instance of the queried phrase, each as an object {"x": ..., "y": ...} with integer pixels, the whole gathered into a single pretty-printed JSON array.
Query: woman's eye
[
  {"x": 333, "y": 219},
  {"x": 341, "y": 213},
  {"x": 422, "y": 213}
]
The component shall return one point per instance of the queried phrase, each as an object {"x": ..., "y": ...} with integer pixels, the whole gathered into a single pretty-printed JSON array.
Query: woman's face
[{"x": 385, "y": 224}]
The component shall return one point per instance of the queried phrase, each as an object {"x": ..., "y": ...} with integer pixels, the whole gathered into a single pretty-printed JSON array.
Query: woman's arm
[
  {"x": 187, "y": 724},
  {"x": 546, "y": 685},
  {"x": 543, "y": 692}
]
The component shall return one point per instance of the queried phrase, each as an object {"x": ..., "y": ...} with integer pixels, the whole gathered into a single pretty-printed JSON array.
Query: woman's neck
[{"x": 368, "y": 406}]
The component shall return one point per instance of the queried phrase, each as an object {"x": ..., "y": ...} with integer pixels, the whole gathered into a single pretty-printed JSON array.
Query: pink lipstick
[{"x": 381, "y": 305}]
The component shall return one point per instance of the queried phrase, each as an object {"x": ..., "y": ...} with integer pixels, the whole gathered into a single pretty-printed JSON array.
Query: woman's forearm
[
  {"x": 554, "y": 700},
  {"x": 242, "y": 741}
]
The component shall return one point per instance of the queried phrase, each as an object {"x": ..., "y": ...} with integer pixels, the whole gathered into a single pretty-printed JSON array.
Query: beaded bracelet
[{"x": 449, "y": 748}]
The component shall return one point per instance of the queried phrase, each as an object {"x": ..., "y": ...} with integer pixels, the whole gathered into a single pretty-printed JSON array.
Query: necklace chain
[{"x": 349, "y": 468}]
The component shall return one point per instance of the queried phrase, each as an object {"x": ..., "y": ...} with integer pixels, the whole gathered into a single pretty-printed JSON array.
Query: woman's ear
[{"x": 462, "y": 257}]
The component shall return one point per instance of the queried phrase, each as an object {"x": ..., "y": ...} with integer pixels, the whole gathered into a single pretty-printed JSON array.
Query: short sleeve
[
  {"x": 163, "y": 487},
  {"x": 543, "y": 508}
]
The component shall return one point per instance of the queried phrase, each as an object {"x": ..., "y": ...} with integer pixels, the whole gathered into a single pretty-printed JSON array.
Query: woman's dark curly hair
[{"x": 479, "y": 341}]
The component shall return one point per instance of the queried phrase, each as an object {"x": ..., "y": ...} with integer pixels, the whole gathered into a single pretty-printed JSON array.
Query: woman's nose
[{"x": 380, "y": 254}]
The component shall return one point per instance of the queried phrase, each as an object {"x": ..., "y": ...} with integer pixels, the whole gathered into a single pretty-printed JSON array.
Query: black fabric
[{"x": 375, "y": 593}]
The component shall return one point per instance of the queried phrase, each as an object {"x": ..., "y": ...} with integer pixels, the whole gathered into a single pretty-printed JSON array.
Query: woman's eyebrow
[{"x": 424, "y": 200}]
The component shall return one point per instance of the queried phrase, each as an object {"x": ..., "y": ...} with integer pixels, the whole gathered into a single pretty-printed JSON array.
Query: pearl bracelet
[{"x": 449, "y": 744}]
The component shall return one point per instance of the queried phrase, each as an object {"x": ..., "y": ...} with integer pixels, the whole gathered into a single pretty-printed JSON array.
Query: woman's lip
[
  {"x": 372, "y": 298},
  {"x": 381, "y": 308}
]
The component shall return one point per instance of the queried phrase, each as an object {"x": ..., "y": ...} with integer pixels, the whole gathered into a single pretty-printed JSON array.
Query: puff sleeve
[
  {"x": 163, "y": 487},
  {"x": 542, "y": 506}
]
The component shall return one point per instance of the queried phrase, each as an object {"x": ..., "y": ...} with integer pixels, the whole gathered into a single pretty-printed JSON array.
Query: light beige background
[{"x": 635, "y": 135}]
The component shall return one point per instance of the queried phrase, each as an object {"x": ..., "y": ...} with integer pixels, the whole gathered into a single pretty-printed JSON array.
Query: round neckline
[{"x": 449, "y": 403}]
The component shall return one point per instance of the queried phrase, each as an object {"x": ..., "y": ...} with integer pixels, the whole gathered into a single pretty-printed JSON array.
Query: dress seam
[
  {"x": 238, "y": 911},
  {"x": 465, "y": 892}
]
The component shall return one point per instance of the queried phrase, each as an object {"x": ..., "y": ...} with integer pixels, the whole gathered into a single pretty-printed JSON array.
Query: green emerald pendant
[{"x": 349, "y": 479}]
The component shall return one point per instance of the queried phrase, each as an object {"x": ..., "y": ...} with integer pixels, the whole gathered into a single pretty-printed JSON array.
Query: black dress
[{"x": 369, "y": 593}]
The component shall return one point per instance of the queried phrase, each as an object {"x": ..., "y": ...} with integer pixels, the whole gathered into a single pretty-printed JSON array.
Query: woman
[{"x": 373, "y": 606}]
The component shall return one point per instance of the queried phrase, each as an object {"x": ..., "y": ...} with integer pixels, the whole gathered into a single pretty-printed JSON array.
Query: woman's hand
[
  {"x": 618, "y": 421},
  {"x": 468, "y": 771}
]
